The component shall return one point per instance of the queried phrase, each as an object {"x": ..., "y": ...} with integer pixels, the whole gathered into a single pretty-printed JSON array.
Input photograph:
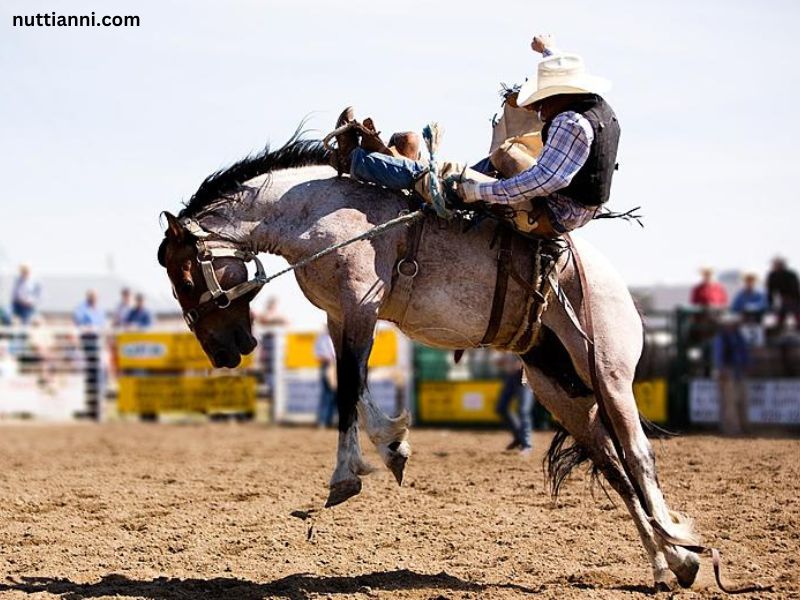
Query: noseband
[{"x": 217, "y": 298}]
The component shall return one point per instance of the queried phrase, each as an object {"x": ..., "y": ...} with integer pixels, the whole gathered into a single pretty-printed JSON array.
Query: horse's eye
[{"x": 187, "y": 286}]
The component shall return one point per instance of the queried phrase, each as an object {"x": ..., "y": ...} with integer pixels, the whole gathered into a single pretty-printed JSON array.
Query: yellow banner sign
[
  {"x": 474, "y": 401},
  {"x": 458, "y": 401},
  {"x": 651, "y": 397},
  {"x": 179, "y": 351},
  {"x": 300, "y": 350},
  {"x": 164, "y": 393}
]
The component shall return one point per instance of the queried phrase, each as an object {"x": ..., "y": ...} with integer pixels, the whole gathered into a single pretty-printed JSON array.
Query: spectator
[
  {"x": 120, "y": 315},
  {"x": 272, "y": 315},
  {"x": 25, "y": 295},
  {"x": 731, "y": 358},
  {"x": 709, "y": 293},
  {"x": 783, "y": 290},
  {"x": 88, "y": 316},
  {"x": 519, "y": 424},
  {"x": 326, "y": 355},
  {"x": 5, "y": 319},
  {"x": 751, "y": 304},
  {"x": 90, "y": 319},
  {"x": 139, "y": 316}
]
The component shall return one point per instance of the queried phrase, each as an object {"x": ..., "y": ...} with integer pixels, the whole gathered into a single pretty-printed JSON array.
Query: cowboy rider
[{"x": 571, "y": 178}]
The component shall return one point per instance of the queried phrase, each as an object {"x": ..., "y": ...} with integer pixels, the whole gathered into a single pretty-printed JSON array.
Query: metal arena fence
[{"x": 62, "y": 373}]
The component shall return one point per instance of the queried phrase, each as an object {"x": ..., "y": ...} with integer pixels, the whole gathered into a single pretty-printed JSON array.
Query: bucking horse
[{"x": 437, "y": 280}]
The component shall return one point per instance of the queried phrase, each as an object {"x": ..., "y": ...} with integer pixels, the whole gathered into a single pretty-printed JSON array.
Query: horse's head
[{"x": 209, "y": 279}]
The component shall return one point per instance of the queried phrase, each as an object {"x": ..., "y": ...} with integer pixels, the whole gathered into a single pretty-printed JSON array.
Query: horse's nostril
[{"x": 245, "y": 342}]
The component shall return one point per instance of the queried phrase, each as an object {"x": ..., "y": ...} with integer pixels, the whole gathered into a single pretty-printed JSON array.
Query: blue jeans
[
  {"x": 388, "y": 171},
  {"x": 327, "y": 402},
  {"x": 521, "y": 424},
  {"x": 23, "y": 312}
]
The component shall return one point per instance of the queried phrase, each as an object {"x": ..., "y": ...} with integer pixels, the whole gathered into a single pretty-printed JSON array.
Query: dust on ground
[{"x": 204, "y": 511}]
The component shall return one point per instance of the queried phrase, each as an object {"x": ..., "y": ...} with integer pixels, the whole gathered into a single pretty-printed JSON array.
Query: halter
[{"x": 216, "y": 297}]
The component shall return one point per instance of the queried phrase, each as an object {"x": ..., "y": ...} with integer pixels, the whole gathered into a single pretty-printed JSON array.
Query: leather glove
[{"x": 468, "y": 190}]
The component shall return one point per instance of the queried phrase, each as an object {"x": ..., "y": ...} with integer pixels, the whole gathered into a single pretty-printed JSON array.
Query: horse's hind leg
[
  {"x": 618, "y": 344},
  {"x": 616, "y": 366},
  {"x": 578, "y": 415},
  {"x": 640, "y": 459}
]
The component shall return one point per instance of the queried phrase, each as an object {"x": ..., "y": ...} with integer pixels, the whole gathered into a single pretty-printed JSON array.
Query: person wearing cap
[{"x": 709, "y": 293}]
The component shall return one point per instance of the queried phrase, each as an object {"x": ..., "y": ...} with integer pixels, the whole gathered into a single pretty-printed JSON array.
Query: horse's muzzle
[
  {"x": 226, "y": 358},
  {"x": 245, "y": 342}
]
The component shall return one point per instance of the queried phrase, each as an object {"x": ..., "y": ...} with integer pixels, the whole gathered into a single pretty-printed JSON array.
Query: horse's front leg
[
  {"x": 353, "y": 343},
  {"x": 351, "y": 358},
  {"x": 389, "y": 435}
]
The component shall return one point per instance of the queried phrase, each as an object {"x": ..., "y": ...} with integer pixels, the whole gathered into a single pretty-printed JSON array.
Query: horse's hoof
[
  {"x": 397, "y": 465},
  {"x": 662, "y": 586},
  {"x": 342, "y": 490},
  {"x": 687, "y": 571},
  {"x": 396, "y": 458},
  {"x": 663, "y": 580}
]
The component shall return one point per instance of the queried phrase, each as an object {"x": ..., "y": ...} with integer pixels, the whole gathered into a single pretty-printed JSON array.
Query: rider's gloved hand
[{"x": 468, "y": 190}]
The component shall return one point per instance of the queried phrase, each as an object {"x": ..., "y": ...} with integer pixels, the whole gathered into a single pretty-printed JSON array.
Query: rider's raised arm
[
  {"x": 544, "y": 44},
  {"x": 568, "y": 143}
]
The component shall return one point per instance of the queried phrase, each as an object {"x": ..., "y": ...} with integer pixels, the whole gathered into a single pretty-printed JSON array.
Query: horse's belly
[{"x": 451, "y": 299}]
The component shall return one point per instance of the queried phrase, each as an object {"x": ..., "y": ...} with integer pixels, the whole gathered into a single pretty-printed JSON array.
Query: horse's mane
[{"x": 297, "y": 152}]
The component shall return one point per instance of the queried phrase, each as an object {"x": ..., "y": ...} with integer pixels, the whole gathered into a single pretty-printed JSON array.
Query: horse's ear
[{"x": 175, "y": 230}]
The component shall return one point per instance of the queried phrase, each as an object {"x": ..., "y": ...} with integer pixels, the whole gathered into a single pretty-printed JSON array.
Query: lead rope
[
  {"x": 432, "y": 134},
  {"x": 716, "y": 559},
  {"x": 403, "y": 219}
]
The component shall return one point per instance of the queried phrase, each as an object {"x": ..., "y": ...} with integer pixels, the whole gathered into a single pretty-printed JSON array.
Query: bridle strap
[{"x": 216, "y": 297}]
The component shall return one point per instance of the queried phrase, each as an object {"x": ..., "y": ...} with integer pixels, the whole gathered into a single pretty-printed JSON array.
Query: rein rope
[{"x": 404, "y": 218}]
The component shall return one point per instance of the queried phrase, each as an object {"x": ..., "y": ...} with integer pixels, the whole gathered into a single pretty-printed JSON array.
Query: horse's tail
[{"x": 565, "y": 454}]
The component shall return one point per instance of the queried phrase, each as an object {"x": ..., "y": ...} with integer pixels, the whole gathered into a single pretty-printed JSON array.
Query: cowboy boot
[
  {"x": 346, "y": 141},
  {"x": 371, "y": 138}
]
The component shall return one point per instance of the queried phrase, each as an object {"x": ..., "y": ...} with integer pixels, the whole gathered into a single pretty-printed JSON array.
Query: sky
[{"x": 103, "y": 128}]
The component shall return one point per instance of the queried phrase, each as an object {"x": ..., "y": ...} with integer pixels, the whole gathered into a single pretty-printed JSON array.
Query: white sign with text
[{"x": 770, "y": 401}]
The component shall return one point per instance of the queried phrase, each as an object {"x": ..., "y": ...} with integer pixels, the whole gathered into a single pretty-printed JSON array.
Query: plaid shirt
[{"x": 568, "y": 143}]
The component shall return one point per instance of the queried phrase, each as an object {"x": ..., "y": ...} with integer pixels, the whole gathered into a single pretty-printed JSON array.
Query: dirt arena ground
[{"x": 175, "y": 512}]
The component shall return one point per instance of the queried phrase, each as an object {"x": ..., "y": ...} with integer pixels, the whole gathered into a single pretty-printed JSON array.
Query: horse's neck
[{"x": 274, "y": 216}]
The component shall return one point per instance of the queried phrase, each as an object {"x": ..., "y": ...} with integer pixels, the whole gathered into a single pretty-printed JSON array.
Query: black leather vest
[{"x": 591, "y": 185}]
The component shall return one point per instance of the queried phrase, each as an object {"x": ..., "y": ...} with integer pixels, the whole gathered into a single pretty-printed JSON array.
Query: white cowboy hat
[{"x": 561, "y": 74}]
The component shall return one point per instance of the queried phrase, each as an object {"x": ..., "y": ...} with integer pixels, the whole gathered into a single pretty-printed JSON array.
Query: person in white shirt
[{"x": 25, "y": 296}]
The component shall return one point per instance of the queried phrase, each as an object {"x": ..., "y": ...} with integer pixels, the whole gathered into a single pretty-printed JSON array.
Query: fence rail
[{"x": 62, "y": 372}]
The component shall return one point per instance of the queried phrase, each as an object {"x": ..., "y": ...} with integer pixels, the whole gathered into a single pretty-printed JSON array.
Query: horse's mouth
[
  {"x": 230, "y": 355},
  {"x": 225, "y": 358}
]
